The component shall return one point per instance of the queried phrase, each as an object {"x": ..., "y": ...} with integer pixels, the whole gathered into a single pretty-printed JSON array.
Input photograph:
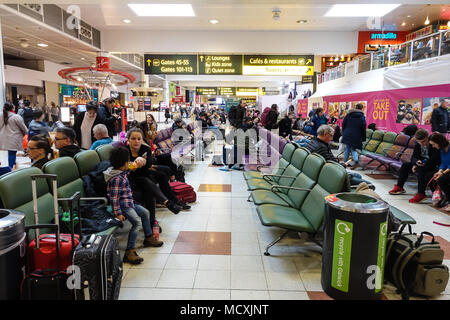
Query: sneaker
[
  {"x": 152, "y": 242},
  {"x": 418, "y": 198},
  {"x": 397, "y": 190},
  {"x": 173, "y": 207},
  {"x": 237, "y": 167},
  {"x": 183, "y": 205},
  {"x": 225, "y": 168},
  {"x": 132, "y": 257}
]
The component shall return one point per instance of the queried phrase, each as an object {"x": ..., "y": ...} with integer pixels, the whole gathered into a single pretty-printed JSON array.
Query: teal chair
[
  {"x": 104, "y": 151},
  {"x": 86, "y": 161}
]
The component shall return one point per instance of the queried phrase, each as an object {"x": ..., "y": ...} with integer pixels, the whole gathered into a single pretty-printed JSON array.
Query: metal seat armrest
[{"x": 290, "y": 188}]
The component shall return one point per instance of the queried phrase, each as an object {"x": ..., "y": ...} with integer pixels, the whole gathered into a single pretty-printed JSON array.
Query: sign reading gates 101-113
[{"x": 170, "y": 64}]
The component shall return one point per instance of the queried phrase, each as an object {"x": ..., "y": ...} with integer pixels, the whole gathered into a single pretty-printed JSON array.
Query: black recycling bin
[
  {"x": 12, "y": 253},
  {"x": 354, "y": 248}
]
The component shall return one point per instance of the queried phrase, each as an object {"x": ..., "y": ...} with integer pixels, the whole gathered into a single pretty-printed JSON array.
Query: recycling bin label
[
  {"x": 341, "y": 255},
  {"x": 381, "y": 260}
]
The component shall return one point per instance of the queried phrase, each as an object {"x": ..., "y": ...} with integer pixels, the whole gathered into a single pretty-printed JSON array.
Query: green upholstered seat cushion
[
  {"x": 252, "y": 175},
  {"x": 299, "y": 157},
  {"x": 277, "y": 170},
  {"x": 268, "y": 197},
  {"x": 374, "y": 141},
  {"x": 256, "y": 184},
  {"x": 386, "y": 144},
  {"x": 402, "y": 216},
  {"x": 65, "y": 169},
  {"x": 104, "y": 151},
  {"x": 86, "y": 161},
  {"x": 288, "y": 150},
  {"x": 283, "y": 217}
]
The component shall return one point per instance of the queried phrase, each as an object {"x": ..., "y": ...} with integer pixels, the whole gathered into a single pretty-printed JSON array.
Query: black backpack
[{"x": 28, "y": 115}]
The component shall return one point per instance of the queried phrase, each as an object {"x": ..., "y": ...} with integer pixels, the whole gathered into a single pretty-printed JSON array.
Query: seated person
[
  {"x": 37, "y": 125},
  {"x": 178, "y": 124},
  {"x": 321, "y": 145},
  {"x": 123, "y": 206},
  {"x": 101, "y": 136},
  {"x": 65, "y": 142},
  {"x": 442, "y": 177},
  {"x": 424, "y": 162},
  {"x": 40, "y": 150},
  {"x": 285, "y": 126}
]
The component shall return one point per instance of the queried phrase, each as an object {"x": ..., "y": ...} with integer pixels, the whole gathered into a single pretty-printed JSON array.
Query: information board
[
  {"x": 220, "y": 64},
  {"x": 206, "y": 91},
  {"x": 170, "y": 64},
  {"x": 278, "y": 65}
]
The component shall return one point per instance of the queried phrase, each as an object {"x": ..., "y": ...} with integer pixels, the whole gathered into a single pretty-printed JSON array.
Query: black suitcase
[{"x": 100, "y": 265}]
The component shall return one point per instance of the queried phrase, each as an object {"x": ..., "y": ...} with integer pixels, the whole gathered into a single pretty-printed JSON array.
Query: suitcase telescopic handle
[{"x": 72, "y": 200}]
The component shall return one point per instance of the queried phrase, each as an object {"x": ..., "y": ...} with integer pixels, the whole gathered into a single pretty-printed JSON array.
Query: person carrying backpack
[{"x": 28, "y": 113}]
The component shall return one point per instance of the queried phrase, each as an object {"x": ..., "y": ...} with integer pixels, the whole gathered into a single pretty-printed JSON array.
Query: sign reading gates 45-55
[{"x": 170, "y": 64}]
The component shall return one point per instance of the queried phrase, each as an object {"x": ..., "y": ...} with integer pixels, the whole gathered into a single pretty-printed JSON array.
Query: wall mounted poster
[
  {"x": 393, "y": 110},
  {"x": 429, "y": 104}
]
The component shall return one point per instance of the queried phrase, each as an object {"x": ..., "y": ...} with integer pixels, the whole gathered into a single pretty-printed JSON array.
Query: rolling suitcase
[
  {"x": 100, "y": 265},
  {"x": 48, "y": 255},
  {"x": 42, "y": 249},
  {"x": 183, "y": 191}
]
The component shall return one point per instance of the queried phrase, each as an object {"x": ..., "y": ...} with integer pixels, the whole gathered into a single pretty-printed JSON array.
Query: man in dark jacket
[
  {"x": 440, "y": 121},
  {"x": 65, "y": 142},
  {"x": 425, "y": 161},
  {"x": 354, "y": 133},
  {"x": 285, "y": 126},
  {"x": 236, "y": 114},
  {"x": 109, "y": 118}
]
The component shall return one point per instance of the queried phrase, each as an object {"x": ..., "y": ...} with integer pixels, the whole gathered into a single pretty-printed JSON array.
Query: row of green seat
[
  {"x": 15, "y": 186},
  {"x": 293, "y": 197}
]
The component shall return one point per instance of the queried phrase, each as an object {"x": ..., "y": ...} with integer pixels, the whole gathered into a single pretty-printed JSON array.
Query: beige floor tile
[
  {"x": 152, "y": 260},
  {"x": 248, "y": 280},
  {"x": 214, "y": 262},
  {"x": 284, "y": 281},
  {"x": 241, "y": 249},
  {"x": 247, "y": 263},
  {"x": 177, "y": 278},
  {"x": 141, "y": 278},
  {"x": 207, "y": 279},
  {"x": 182, "y": 261},
  {"x": 208, "y": 294},
  {"x": 288, "y": 295},
  {"x": 244, "y": 237},
  {"x": 249, "y": 295},
  {"x": 311, "y": 281},
  {"x": 155, "y": 294}
]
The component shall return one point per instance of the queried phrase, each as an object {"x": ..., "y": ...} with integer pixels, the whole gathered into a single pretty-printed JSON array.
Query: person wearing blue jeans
[
  {"x": 354, "y": 133},
  {"x": 123, "y": 205},
  {"x": 355, "y": 156},
  {"x": 12, "y": 156}
]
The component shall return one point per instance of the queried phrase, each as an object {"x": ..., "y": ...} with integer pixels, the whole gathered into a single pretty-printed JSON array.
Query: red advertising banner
[
  {"x": 103, "y": 62},
  {"x": 391, "y": 110}
]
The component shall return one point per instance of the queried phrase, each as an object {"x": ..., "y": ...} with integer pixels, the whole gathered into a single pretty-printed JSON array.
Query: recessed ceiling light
[
  {"x": 408, "y": 16},
  {"x": 42, "y": 45},
  {"x": 403, "y": 23},
  {"x": 83, "y": 59},
  {"x": 162, "y": 10},
  {"x": 427, "y": 21},
  {"x": 214, "y": 21},
  {"x": 360, "y": 10},
  {"x": 302, "y": 21},
  {"x": 126, "y": 20}
]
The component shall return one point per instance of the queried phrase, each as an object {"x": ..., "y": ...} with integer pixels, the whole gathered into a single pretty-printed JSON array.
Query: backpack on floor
[
  {"x": 415, "y": 266},
  {"x": 183, "y": 191}
]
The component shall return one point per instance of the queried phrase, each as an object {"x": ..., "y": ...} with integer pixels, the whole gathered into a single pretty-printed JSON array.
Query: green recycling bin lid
[{"x": 356, "y": 202}]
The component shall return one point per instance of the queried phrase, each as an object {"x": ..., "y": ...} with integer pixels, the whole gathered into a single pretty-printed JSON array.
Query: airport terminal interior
[{"x": 225, "y": 150}]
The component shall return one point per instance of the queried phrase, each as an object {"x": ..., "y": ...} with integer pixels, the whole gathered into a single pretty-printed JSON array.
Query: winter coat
[
  {"x": 272, "y": 119},
  {"x": 354, "y": 129},
  {"x": 318, "y": 146},
  {"x": 317, "y": 122},
  {"x": 285, "y": 127},
  {"x": 440, "y": 120},
  {"x": 69, "y": 151},
  {"x": 264, "y": 116},
  {"x": 11, "y": 135},
  {"x": 37, "y": 127}
]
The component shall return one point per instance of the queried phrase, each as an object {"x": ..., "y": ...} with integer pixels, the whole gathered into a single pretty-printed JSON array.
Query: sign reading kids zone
[{"x": 390, "y": 110}]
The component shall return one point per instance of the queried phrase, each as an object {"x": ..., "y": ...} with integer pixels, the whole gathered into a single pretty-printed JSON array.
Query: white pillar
[
  {"x": 166, "y": 96},
  {"x": 2, "y": 73}
]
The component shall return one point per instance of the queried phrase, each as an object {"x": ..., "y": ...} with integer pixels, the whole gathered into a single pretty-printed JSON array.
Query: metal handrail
[{"x": 327, "y": 75}]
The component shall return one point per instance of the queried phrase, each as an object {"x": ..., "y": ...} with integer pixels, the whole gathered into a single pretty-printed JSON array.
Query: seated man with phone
[{"x": 425, "y": 161}]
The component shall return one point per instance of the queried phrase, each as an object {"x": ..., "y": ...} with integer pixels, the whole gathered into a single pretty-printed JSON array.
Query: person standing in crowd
[
  {"x": 167, "y": 115},
  {"x": 264, "y": 115},
  {"x": 84, "y": 122},
  {"x": 38, "y": 126},
  {"x": 109, "y": 118},
  {"x": 27, "y": 112},
  {"x": 272, "y": 118},
  {"x": 39, "y": 150},
  {"x": 46, "y": 111},
  {"x": 424, "y": 162},
  {"x": 354, "y": 133},
  {"x": 318, "y": 120},
  {"x": 54, "y": 111},
  {"x": 65, "y": 142},
  {"x": 236, "y": 114},
  {"x": 101, "y": 136},
  {"x": 12, "y": 130},
  {"x": 442, "y": 177},
  {"x": 440, "y": 121},
  {"x": 285, "y": 126}
]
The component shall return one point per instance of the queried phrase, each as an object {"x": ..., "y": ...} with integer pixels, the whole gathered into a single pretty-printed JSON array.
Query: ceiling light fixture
[
  {"x": 126, "y": 20},
  {"x": 403, "y": 23},
  {"x": 43, "y": 45},
  {"x": 24, "y": 43},
  {"x": 360, "y": 10},
  {"x": 162, "y": 10},
  {"x": 427, "y": 21},
  {"x": 276, "y": 13},
  {"x": 214, "y": 21},
  {"x": 302, "y": 21}
]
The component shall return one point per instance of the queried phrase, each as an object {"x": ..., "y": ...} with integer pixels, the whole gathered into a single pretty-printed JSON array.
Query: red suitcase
[
  {"x": 183, "y": 192},
  {"x": 43, "y": 252}
]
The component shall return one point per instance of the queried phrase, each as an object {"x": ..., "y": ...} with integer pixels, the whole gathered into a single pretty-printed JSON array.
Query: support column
[
  {"x": 166, "y": 96},
  {"x": 2, "y": 73}
]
